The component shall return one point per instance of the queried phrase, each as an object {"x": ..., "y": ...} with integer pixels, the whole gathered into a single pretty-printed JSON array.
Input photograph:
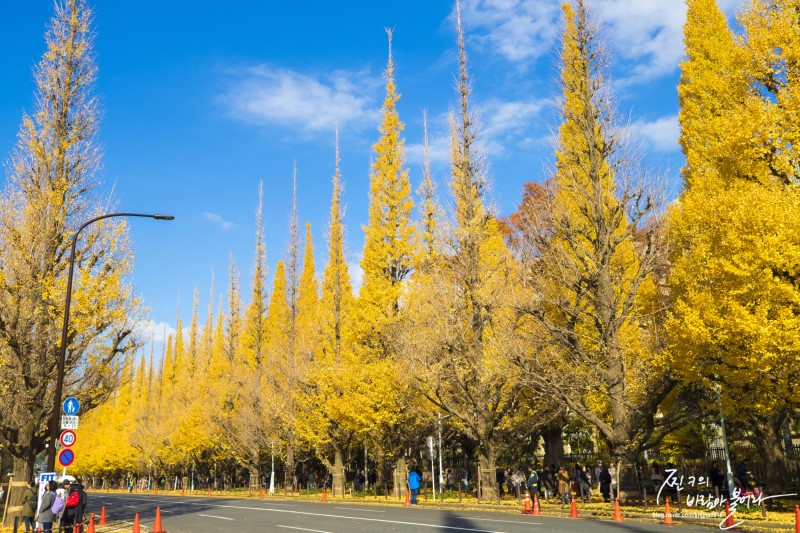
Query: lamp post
[
  {"x": 728, "y": 470},
  {"x": 54, "y": 417},
  {"x": 272, "y": 472},
  {"x": 441, "y": 472}
]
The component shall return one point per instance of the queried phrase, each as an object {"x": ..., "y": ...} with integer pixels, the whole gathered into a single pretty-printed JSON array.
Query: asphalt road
[{"x": 218, "y": 515}]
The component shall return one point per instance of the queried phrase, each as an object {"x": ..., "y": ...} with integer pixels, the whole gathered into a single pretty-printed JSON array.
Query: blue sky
[{"x": 202, "y": 100}]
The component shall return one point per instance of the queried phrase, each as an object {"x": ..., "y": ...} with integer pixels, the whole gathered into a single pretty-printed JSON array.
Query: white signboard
[{"x": 69, "y": 422}]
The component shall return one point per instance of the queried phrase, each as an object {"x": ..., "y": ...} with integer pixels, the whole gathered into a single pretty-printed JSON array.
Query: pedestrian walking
[
  {"x": 413, "y": 485},
  {"x": 75, "y": 507},
  {"x": 450, "y": 480},
  {"x": 533, "y": 481},
  {"x": 47, "y": 514},
  {"x": 585, "y": 481},
  {"x": 500, "y": 478},
  {"x": 548, "y": 481},
  {"x": 30, "y": 501},
  {"x": 563, "y": 485},
  {"x": 604, "y": 480},
  {"x": 612, "y": 471}
]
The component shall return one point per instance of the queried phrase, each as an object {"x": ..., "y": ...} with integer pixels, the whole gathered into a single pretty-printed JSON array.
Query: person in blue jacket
[{"x": 413, "y": 485}]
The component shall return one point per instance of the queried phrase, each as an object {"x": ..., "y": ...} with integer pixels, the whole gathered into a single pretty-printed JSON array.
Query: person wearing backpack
[
  {"x": 30, "y": 501},
  {"x": 75, "y": 506},
  {"x": 49, "y": 507}
]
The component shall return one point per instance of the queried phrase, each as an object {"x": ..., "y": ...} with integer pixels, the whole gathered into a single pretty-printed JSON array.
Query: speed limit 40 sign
[{"x": 67, "y": 438}]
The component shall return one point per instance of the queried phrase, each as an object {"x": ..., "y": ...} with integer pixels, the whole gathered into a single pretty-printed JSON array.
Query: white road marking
[
  {"x": 357, "y": 509},
  {"x": 523, "y": 522},
  {"x": 213, "y": 516},
  {"x": 363, "y": 518},
  {"x": 303, "y": 529}
]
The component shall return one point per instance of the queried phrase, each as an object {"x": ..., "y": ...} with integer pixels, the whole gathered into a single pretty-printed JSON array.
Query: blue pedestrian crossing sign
[{"x": 71, "y": 406}]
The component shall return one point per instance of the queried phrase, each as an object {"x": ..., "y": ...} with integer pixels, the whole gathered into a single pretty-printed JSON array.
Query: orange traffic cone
[
  {"x": 537, "y": 509},
  {"x": 728, "y": 516},
  {"x": 261, "y": 494},
  {"x": 156, "y": 489},
  {"x": 209, "y": 492},
  {"x": 102, "y": 521},
  {"x": 324, "y": 494},
  {"x": 408, "y": 499},
  {"x": 91, "y": 524},
  {"x": 136, "y": 524},
  {"x": 183, "y": 491},
  {"x": 157, "y": 524},
  {"x": 526, "y": 507},
  {"x": 573, "y": 513},
  {"x": 667, "y": 514},
  {"x": 797, "y": 519},
  {"x": 617, "y": 511}
]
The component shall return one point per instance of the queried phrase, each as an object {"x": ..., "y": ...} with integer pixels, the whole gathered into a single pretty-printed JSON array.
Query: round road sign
[
  {"x": 67, "y": 438},
  {"x": 71, "y": 406},
  {"x": 65, "y": 457}
]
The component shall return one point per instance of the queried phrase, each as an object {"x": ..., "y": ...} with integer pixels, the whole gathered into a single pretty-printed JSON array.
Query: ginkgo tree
[
  {"x": 734, "y": 324},
  {"x": 50, "y": 190},
  {"x": 590, "y": 310}
]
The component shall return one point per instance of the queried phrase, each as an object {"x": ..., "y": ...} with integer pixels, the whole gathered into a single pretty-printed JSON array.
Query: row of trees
[{"x": 595, "y": 299}]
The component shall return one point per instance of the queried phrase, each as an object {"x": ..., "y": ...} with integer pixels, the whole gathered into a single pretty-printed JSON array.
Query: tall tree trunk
[
  {"x": 22, "y": 473},
  {"x": 338, "y": 473},
  {"x": 553, "y": 445},
  {"x": 380, "y": 470},
  {"x": 255, "y": 479},
  {"x": 400, "y": 478},
  {"x": 24, "y": 455},
  {"x": 769, "y": 435},
  {"x": 629, "y": 484},
  {"x": 486, "y": 472},
  {"x": 291, "y": 465}
]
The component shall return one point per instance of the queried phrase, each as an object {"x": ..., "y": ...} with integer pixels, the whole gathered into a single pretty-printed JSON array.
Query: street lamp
[
  {"x": 54, "y": 418},
  {"x": 441, "y": 472}
]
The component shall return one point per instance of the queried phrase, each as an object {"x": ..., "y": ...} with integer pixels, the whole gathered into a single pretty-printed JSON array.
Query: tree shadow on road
[{"x": 453, "y": 521}]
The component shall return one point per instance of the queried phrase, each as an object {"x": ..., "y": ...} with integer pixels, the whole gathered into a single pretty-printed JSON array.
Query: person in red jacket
[{"x": 75, "y": 505}]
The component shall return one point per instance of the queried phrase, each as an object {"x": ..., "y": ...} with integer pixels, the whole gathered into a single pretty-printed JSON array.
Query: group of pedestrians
[
  {"x": 560, "y": 483},
  {"x": 61, "y": 507}
]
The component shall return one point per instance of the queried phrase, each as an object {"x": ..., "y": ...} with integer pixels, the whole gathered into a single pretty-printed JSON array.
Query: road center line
[
  {"x": 357, "y": 509},
  {"x": 303, "y": 529},
  {"x": 214, "y": 516}
]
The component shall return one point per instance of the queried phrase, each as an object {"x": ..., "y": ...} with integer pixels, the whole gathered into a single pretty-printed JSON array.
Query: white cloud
[
  {"x": 520, "y": 30},
  {"x": 500, "y": 118},
  {"x": 311, "y": 104},
  {"x": 501, "y": 124},
  {"x": 438, "y": 143},
  {"x": 356, "y": 272},
  {"x": 661, "y": 134},
  {"x": 438, "y": 150},
  {"x": 645, "y": 35},
  {"x": 218, "y": 220},
  {"x": 157, "y": 332}
]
